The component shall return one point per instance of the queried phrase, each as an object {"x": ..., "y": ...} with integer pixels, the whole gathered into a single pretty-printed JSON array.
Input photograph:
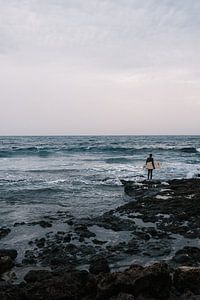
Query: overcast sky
[{"x": 99, "y": 67}]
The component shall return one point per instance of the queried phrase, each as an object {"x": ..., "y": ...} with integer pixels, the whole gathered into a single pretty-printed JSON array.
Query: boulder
[
  {"x": 70, "y": 285},
  {"x": 12, "y": 253},
  {"x": 187, "y": 278},
  {"x": 6, "y": 263},
  {"x": 150, "y": 282},
  {"x": 4, "y": 232},
  {"x": 99, "y": 265},
  {"x": 37, "y": 275}
]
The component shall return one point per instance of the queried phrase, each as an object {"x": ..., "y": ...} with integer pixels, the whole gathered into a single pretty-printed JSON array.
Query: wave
[
  {"x": 117, "y": 160},
  {"x": 189, "y": 150},
  {"x": 28, "y": 151},
  {"x": 50, "y": 151}
]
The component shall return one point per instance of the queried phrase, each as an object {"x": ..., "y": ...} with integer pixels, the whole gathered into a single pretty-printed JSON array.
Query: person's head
[{"x": 150, "y": 155}]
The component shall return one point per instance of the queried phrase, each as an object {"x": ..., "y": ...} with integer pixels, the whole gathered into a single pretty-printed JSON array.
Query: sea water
[{"x": 81, "y": 174}]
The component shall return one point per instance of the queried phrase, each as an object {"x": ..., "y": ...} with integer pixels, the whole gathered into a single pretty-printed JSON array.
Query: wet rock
[
  {"x": 6, "y": 263},
  {"x": 4, "y": 232},
  {"x": 72, "y": 285},
  {"x": 12, "y": 292},
  {"x": 156, "y": 248},
  {"x": 12, "y": 253},
  {"x": 123, "y": 296},
  {"x": 142, "y": 235},
  {"x": 40, "y": 243},
  {"x": 193, "y": 252},
  {"x": 132, "y": 247},
  {"x": 83, "y": 231},
  {"x": 187, "y": 278},
  {"x": 29, "y": 258},
  {"x": 37, "y": 275},
  {"x": 67, "y": 238},
  {"x": 99, "y": 265},
  {"x": 182, "y": 258},
  {"x": 98, "y": 242},
  {"x": 44, "y": 224},
  {"x": 16, "y": 224}
]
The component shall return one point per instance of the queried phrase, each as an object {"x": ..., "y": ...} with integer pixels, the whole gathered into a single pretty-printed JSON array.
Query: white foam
[{"x": 163, "y": 197}]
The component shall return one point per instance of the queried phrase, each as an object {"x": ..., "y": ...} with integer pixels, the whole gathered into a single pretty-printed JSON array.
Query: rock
[
  {"x": 99, "y": 265},
  {"x": 123, "y": 296},
  {"x": 4, "y": 232},
  {"x": 150, "y": 282},
  {"x": 44, "y": 224},
  {"x": 71, "y": 285},
  {"x": 67, "y": 238},
  {"x": 40, "y": 243},
  {"x": 182, "y": 258},
  {"x": 19, "y": 224},
  {"x": 12, "y": 292},
  {"x": 12, "y": 253},
  {"x": 83, "y": 232},
  {"x": 37, "y": 275},
  {"x": 187, "y": 278},
  {"x": 193, "y": 252},
  {"x": 6, "y": 263}
]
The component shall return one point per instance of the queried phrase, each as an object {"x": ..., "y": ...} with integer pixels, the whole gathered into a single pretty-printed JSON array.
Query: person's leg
[
  {"x": 151, "y": 175},
  {"x": 148, "y": 174}
]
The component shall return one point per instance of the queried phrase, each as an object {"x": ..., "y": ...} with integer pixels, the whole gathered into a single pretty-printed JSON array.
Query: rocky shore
[{"x": 149, "y": 248}]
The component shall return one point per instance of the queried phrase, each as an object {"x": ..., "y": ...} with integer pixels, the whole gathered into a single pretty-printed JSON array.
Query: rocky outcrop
[
  {"x": 4, "y": 232},
  {"x": 154, "y": 282},
  {"x": 7, "y": 257},
  {"x": 187, "y": 278}
]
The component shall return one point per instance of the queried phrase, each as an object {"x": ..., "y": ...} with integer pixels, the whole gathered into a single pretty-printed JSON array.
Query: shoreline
[{"x": 157, "y": 216}]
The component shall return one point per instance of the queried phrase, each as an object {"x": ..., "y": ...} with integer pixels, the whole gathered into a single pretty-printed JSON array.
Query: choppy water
[{"x": 82, "y": 175}]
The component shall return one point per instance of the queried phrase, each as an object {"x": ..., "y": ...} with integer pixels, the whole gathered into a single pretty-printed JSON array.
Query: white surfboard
[{"x": 149, "y": 165}]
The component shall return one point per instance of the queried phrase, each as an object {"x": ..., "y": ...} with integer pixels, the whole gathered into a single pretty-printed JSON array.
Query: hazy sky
[{"x": 99, "y": 67}]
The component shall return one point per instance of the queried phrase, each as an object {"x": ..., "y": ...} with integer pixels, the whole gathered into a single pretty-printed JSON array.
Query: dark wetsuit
[{"x": 150, "y": 171}]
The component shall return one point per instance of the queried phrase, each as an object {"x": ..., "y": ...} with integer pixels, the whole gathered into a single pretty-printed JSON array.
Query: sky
[{"x": 73, "y": 67}]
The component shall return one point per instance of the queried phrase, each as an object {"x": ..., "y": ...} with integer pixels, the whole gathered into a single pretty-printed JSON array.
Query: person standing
[{"x": 150, "y": 166}]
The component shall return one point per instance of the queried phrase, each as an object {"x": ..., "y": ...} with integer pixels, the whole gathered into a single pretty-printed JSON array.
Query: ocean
[{"x": 81, "y": 175}]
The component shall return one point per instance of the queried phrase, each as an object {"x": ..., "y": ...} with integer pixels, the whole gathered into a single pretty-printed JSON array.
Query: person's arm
[{"x": 153, "y": 163}]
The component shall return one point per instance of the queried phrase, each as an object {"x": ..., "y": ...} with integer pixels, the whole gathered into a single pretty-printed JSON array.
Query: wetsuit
[{"x": 150, "y": 171}]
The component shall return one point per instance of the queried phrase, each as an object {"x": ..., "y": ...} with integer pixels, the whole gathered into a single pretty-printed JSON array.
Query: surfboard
[{"x": 149, "y": 165}]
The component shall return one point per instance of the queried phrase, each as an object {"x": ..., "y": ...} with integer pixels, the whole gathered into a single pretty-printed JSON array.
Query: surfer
[{"x": 150, "y": 166}]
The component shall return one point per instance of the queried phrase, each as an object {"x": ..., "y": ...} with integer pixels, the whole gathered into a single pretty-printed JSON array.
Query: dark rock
[
  {"x": 19, "y": 224},
  {"x": 37, "y": 275},
  {"x": 6, "y": 263},
  {"x": 4, "y": 232},
  {"x": 12, "y": 292},
  {"x": 44, "y": 224},
  {"x": 29, "y": 258},
  {"x": 71, "y": 285},
  {"x": 67, "y": 238},
  {"x": 99, "y": 265},
  {"x": 40, "y": 243},
  {"x": 82, "y": 230},
  {"x": 12, "y": 253},
  {"x": 123, "y": 296},
  {"x": 192, "y": 252},
  {"x": 150, "y": 282},
  {"x": 187, "y": 278},
  {"x": 182, "y": 258},
  {"x": 98, "y": 242}
]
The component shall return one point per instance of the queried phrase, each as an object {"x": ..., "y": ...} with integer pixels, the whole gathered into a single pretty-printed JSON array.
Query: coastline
[{"x": 160, "y": 224}]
